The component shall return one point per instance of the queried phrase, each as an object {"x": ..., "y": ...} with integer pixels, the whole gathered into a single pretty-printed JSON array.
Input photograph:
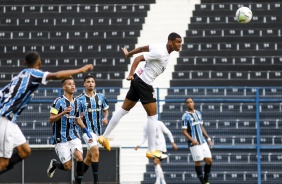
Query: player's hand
[
  {"x": 194, "y": 142},
  {"x": 81, "y": 115},
  {"x": 136, "y": 147},
  {"x": 130, "y": 77},
  {"x": 67, "y": 109},
  {"x": 105, "y": 121},
  {"x": 125, "y": 51},
  {"x": 90, "y": 140},
  {"x": 174, "y": 146},
  {"x": 85, "y": 130},
  {"x": 210, "y": 143},
  {"x": 87, "y": 68}
]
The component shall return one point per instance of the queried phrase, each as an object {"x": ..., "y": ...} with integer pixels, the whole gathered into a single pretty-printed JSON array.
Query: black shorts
[{"x": 139, "y": 90}]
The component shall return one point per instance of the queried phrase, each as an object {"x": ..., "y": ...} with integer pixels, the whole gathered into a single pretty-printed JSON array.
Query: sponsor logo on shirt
[{"x": 196, "y": 123}]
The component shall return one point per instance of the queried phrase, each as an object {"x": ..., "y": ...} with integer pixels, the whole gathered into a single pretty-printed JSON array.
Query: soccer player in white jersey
[
  {"x": 196, "y": 134},
  {"x": 161, "y": 146},
  {"x": 157, "y": 58},
  {"x": 14, "y": 97},
  {"x": 95, "y": 107}
]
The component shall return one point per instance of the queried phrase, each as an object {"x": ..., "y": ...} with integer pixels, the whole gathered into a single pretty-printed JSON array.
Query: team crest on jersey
[{"x": 86, "y": 104}]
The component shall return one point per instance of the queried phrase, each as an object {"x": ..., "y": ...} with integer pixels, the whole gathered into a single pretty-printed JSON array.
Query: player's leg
[
  {"x": 126, "y": 106},
  {"x": 130, "y": 101},
  {"x": 65, "y": 164},
  {"x": 76, "y": 149},
  {"x": 208, "y": 160},
  {"x": 11, "y": 137},
  {"x": 95, "y": 163},
  {"x": 159, "y": 172},
  {"x": 152, "y": 118},
  {"x": 198, "y": 156},
  {"x": 92, "y": 156}
]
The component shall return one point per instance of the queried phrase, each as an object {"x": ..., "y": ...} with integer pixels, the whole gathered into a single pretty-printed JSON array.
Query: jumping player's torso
[{"x": 156, "y": 61}]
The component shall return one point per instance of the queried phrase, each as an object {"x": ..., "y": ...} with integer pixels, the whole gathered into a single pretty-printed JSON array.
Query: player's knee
[
  {"x": 3, "y": 164},
  {"x": 79, "y": 158},
  {"x": 68, "y": 166},
  {"x": 208, "y": 161},
  {"x": 24, "y": 153}
]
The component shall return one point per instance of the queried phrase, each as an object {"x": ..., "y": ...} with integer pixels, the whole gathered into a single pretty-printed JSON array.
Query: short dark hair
[
  {"x": 30, "y": 58},
  {"x": 87, "y": 77},
  {"x": 188, "y": 98},
  {"x": 68, "y": 78},
  {"x": 173, "y": 36}
]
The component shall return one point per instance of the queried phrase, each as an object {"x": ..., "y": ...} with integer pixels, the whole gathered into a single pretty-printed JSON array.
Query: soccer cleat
[
  {"x": 104, "y": 142},
  {"x": 49, "y": 172},
  {"x": 155, "y": 154}
]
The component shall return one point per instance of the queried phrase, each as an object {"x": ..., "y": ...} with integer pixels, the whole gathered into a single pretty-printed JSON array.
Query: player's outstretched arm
[
  {"x": 66, "y": 73},
  {"x": 135, "y": 51}
]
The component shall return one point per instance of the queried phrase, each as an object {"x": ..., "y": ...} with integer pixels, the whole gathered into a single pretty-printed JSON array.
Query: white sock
[
  {"x": 162, "y": 175},
  {"x": 151, "y": 132},
  {"x": 157, "y": 172},
  {"x": 114, "y": 121}
]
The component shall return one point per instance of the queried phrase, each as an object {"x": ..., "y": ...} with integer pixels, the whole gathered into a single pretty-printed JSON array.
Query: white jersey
[
  {"x": 156, "y": 61},
  {"x": 160, "y": 139}
]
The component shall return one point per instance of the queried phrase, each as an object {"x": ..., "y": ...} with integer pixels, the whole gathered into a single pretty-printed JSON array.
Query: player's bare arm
[
  {"x": 105, "y": 118},
  {"x": 81, "y": 125},
  {"x": 194, "y": 142},
  {"x": 135, "y": 51},
  {"x": 134, "y": 65},
  {"x": 206, "y": 136},
  {"x": 66, "y": 73},
  {"x": 174, "y": 146}
]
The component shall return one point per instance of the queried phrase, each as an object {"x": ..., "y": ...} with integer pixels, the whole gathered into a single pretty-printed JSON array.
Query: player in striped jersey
[
  {"x": 64, "y": 115},
  {"x": 95, "y": 108},
  {"x": 141, "y": 88},
  {"x": 195, "y": 132},
  {"x": 14, "y": 97}
]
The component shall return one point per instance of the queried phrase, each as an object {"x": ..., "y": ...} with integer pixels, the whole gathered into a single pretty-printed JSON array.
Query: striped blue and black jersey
[
  {"x": 15, "y": 96},
  {"x": 66, "y": 128},
  {"x": 93, "y": 111},
  {"x": 192, "y": 123}
]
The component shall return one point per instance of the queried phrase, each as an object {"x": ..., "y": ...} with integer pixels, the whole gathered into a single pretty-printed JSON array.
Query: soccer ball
[{"x": 244, "y": 15}]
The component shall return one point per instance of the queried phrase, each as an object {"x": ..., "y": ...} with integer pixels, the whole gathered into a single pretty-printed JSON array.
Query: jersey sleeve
[
  {"x": 184, "y": 121},
  {"x": 152, "y": 54},
  {"x": 165, "y": 130},
  {"x": 105, "y": 104},
  {"x": 55, "y": 106},
  {"x": 40, "y": 76},
  {"x": 145, "y": 135}
]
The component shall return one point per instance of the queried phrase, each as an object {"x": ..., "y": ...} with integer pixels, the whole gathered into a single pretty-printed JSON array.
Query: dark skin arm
[
  {"x": 194, "y": 142},
  {"x": 66, "y": 73},
  {"x": 206, "y": 136},
  {"x": 137, "y": 60}
]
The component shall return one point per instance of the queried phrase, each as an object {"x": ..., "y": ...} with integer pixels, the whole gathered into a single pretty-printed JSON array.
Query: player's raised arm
[
  {"x": 135, "y": 51},
  {"x": 66, "y": 73}
]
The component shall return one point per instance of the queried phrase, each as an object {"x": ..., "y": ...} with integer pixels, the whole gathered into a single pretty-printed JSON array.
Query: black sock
[
  {"x": 59, "y": 165},
  {"x": 200, "y": 174},
  {"x": 95, "y": 168},
  {"x": 207, "y": 172},
  {"x": 79, "y": 172},
  {"x": 12, "y": 161},
  {"x": 85, "y": 168}
]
